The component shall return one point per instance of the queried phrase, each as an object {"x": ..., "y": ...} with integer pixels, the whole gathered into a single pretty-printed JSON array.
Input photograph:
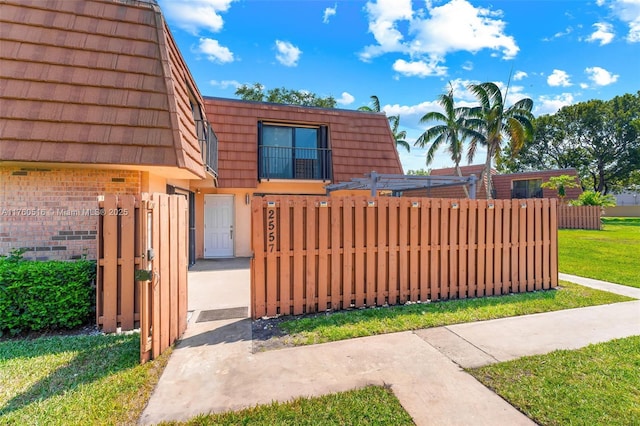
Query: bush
[
  {"x": 44, "y": 295},
  {"x": 591, "y": 198}
]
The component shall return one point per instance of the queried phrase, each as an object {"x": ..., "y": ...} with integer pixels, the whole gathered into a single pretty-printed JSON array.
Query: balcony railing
[
  {"x": 278, "y": 162},
  {"x": 208, "y": 146}
]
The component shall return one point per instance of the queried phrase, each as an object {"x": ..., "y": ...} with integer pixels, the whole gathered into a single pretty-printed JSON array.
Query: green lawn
[
  {"x": 75, "y": 380},
  {"x": 596, "y": 385},
  {"x": 372, "y": 405},
  {"x": 367, "y": 322},
  {"x": 612, "y": 254}
]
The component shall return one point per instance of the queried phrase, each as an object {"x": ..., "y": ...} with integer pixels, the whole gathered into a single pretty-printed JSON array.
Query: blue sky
[{"x": 557, "y": 52}]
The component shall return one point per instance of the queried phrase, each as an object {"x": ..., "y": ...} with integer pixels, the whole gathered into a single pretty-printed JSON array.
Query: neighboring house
[
  {"x": 269, "y": 148},
  {"x": 95, "y": 98},
  {"x": 528, "y": 185},
  {"x": 506, "y": 186}
]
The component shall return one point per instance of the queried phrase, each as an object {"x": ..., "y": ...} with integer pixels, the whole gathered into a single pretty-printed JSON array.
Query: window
[
  {"x": 293, "y": 152},
  {"x": 526, "y": 188}
]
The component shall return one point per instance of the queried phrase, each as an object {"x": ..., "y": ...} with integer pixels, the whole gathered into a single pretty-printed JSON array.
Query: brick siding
[{"x": 53, "y": 212}]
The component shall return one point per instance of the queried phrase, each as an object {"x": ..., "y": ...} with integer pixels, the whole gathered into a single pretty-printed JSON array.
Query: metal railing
[
  {"x": 278, "y": 162},
  {"x": 208, "y": 145}
]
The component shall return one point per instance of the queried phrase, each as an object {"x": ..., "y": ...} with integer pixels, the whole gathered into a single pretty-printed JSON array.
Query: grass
[
  {"x": 372, "y": 321},
  {"x": 75, "y": 380},
  {"x": 373, "y": 405},
  {"x": 595, "y": 385},
  {"x": 610, "y": 254}
]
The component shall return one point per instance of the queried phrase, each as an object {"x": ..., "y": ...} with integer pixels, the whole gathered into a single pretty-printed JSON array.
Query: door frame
[{"x": 233, "y": 224}]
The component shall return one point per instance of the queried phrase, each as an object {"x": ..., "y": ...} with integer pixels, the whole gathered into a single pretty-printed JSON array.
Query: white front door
[{"x": 218, "y": 226}]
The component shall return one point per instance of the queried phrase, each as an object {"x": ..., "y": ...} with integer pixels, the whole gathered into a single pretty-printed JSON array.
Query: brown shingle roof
[
  {"x": 360, "y": 141},
  {"x": 94, "y": 81}
]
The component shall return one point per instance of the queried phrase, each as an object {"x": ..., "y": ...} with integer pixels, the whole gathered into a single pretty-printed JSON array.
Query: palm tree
[
  {"x": 394, "y": 122},
  {"x": 399, "y": 136},
  {"x": 490, "y": 124},
  {"x": 452, "y": 131}
]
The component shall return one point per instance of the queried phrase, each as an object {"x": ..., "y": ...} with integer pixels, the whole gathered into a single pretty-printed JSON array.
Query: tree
[
  {"x": 419, "y": 172},
  {"x": 594, "y": 198},
  {"x": 560, "y": 184},
  {"x": 600, "y": 139},
  {"x": 451, "y": 131},
  {"x": 283, "y": 96},
  {"x": 394, "y": 122},
  {"x": 492, "y": 124}
]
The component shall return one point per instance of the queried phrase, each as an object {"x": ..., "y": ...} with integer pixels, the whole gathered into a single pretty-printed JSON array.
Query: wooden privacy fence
[
  {"x": 579, "y": 217},
  {"x": 142, "y": 268},
  {"x": 317, "y": 253}
]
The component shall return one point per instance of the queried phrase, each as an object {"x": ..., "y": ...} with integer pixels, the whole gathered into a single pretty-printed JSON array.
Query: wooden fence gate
[
  {"x": 317, "y": 253},
  {"x": 142, "y": 268}
]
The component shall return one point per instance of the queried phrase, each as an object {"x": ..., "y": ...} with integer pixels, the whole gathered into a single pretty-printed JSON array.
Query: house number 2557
[{"x": 271, "y": 230}]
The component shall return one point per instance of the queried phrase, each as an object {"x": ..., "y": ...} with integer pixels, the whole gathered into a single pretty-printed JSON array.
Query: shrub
[
  {"x": 591, "y": 198},
  {"x": 44, "y": 295}
]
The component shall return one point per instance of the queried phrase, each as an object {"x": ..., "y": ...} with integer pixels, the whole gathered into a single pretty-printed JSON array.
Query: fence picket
[
  {"x": 284, "y": 260},
  {"x": 370, "y": 269},
  {"x": 414, "y": 251},
  {"x": 311, "y": 254},
  {"x": 424, "y": 207},
  {"x": 386, "y": 254},
  {"x": 482, "y": 249},
  {"x": 336, "y": 261}
]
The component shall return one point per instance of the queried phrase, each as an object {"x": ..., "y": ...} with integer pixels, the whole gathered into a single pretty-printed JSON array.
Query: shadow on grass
[
  {"x": 95, "y": 357},
  {"x": 313, "y": 322}
]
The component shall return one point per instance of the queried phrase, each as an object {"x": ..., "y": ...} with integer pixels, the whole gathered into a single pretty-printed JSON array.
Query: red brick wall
[{"x": 52, "y": 212}]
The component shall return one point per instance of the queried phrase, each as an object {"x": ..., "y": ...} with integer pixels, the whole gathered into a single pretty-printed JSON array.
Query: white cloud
[
  {"x": 551, "y": 105},
  {"x": 426, "y": 37},
  {"x": 559, "y": 78},
  {"x": 603, "y": 34},
  {"x": 628, "y": 11},
  {"x": 519, "y": 75},
  {"x": 195, "y": 15},
  {"x": 458, "y": 26},
  {"x": 467, "y": 66},
  {"x": 419, "y": 68},
  {"x": 214, "y": 52},
  {"x": 600, "y": 76},
  {"x": 345, "y": 99},
  {"x": 329, "y": 12},
  {"x": 560, "y": 34},
  {"x": 383, "y": 16},
  {"x": 225, "y": 84},
  {"x": 288, "y": 54}
]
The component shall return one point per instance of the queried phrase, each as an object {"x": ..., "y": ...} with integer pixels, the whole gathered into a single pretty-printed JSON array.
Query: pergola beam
[{"x": 375, "y": 182}]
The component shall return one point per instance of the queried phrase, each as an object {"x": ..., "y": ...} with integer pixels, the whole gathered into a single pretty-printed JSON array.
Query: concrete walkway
[{"x": 212, "y": 368}]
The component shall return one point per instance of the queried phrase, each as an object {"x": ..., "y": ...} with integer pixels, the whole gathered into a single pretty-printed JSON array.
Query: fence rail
[
  {"x": 146, "y": 233},
  {"x": 579, "y": 217},
  {"x": 317, "y": 253}
]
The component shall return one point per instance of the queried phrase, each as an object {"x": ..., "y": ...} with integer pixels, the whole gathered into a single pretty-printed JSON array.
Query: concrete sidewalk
[{"x": 212, "y": 368}]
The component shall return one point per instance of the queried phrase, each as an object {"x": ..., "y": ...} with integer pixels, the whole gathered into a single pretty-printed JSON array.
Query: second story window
[
  {"x": 293, "y": 152},
  {"x": 526, "y": 188}
]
